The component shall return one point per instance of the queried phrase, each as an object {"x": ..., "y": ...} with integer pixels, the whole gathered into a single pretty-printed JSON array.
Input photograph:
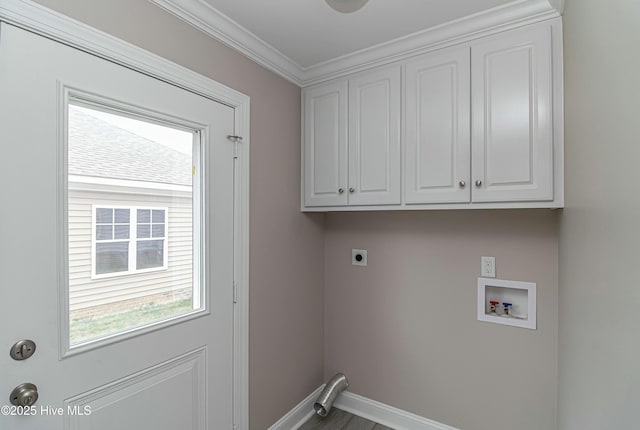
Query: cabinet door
[
  {"x": 374, "y": 138},
  {"x": 325, "y": 145},
  {"x": 437, "y": 128},
  {"x": 512, "y": 139}
]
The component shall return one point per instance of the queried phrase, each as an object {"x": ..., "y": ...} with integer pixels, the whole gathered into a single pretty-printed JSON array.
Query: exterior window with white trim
[{"x": 129, "y": 240}]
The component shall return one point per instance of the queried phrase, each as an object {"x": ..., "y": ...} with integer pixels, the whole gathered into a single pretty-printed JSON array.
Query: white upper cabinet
[
  {"x": 374, "y": 138},
  {"x": 437, "y": 138},
  {"x": 512, "y": 137},
  {"x": 325, "y": 145},
  {"x": 351, "y": 149},
  {"x": 481, "y": 126}
]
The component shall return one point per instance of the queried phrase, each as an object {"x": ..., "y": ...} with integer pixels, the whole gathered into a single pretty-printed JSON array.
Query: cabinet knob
[
  {"x": 352, "y": 190},
  {"x": 340, "y": 190},
  {"x": 478, "y": 183},
  {"x": 462, "y": 184}
]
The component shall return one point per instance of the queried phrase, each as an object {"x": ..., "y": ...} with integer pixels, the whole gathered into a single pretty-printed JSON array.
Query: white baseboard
[
  {"x": 299, "y": 414},
  {"x": 386, "y": 415},
  {"x": 366, "y": 408}
]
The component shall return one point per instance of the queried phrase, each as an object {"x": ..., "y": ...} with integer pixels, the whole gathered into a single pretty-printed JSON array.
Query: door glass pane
[{"x": 133, "y": 236}]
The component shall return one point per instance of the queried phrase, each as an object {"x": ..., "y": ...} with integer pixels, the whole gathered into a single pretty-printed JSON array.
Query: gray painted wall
[
  {"x": 404, "y": 328},
  {"x": 599, "y": 385},
  {"x": 286, "y": 272}
]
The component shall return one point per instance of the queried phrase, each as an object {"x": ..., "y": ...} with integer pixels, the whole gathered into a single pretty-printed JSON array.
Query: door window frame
[{"x": 78, "y": 97}]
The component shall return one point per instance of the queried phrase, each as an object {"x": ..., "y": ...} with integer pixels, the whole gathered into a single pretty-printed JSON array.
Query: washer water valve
[
  {"x": 493, "y": 306},
  {"x": 507, "y": 308}
]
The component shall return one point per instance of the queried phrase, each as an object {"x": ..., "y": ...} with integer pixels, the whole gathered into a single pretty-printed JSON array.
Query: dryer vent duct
[{"x": 325, "y": 400}]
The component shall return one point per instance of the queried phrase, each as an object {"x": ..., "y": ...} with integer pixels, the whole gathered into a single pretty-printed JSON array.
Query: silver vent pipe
[{"x": 325, "y": 400}]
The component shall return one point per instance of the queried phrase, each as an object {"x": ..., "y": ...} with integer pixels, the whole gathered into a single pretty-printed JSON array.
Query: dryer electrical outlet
[{"x": 359, "y": 257}]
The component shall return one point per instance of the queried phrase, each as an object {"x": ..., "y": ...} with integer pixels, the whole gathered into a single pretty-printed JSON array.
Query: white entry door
[{"x": 116, "y": 245}]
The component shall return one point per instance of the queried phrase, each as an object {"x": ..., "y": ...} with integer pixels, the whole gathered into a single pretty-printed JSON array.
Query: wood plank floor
[{"x": 341, "y": 420}]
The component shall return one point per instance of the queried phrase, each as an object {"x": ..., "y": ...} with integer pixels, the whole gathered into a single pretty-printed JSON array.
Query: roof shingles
[{"x": 100, "y": 149}]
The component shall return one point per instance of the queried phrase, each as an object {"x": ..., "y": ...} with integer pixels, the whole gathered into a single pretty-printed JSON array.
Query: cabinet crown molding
[{"x": 203, "y": 16}]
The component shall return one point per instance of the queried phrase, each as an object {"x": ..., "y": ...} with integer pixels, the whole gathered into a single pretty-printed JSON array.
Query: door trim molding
[
  {"x": 61, "y": 28},
  {"x": 38, "y": 19}
]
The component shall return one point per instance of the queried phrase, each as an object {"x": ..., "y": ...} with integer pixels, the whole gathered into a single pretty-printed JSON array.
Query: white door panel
[
  {"x": 512, "y": 141},
  {"x": 374, "y": 138},
  {"x": 148, "y": 379},
  {"x": 119, "y": 404},
  {"x": 325, "y": 145},
  {"x": 437, "y": 127}
]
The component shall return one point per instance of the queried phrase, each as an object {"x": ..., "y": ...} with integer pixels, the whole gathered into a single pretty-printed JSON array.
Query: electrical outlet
[
  {"x": 488, "y": 267},
  {"x": 359, "y": 257}
]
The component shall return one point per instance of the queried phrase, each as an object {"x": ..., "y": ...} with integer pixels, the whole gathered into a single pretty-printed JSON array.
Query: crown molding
[
  {"x": 204, "y": 17},
  {"x": 485, "y": 23},
  {"x": 217, "y": 25}
]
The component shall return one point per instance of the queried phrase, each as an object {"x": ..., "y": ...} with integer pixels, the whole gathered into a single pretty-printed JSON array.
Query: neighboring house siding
[{"x": 175, "y": 281}]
